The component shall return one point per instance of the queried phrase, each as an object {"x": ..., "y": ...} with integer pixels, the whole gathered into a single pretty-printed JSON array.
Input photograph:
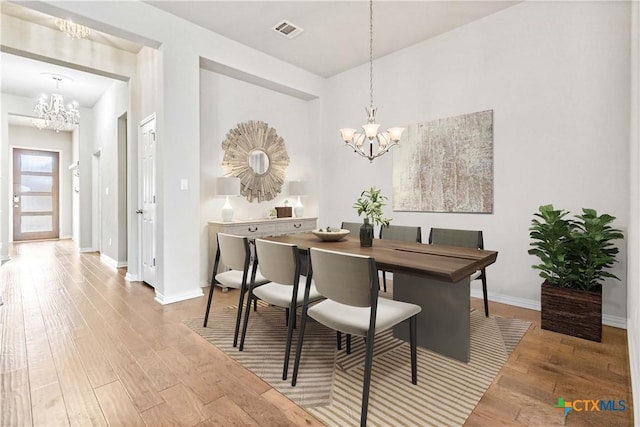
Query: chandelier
[
  {"x": 53, "y": 114},
  {"x": 385, "y": 140},
  {"x": 71, "y": 29}
]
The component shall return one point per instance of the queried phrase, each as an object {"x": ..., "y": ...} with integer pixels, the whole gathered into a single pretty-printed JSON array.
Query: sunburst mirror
[{"x": 255, "y": 153}]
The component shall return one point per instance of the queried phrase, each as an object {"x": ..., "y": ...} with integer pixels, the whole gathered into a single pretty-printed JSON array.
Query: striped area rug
[{"x": 330, "y": 381}]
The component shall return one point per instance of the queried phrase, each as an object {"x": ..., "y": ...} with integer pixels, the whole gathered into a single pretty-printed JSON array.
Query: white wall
[
  {"x": 224, "y": 103},
  {"x": 112, "y": 104},
  {"x": 49, "y": 140},
  {"x": 556, "y": 75}
]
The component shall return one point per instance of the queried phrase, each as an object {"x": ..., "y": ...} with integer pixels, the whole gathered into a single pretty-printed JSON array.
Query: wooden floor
[{"x": 81, "y": 346}]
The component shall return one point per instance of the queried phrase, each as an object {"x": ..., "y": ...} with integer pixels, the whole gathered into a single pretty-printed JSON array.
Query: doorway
[{"x": 36, "y": 201}]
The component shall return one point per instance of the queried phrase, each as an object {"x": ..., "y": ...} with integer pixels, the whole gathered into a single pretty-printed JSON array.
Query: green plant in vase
[{"x": 370, "y": 204}]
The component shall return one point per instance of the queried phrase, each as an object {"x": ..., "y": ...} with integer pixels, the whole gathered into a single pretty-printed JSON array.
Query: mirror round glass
[{"x": 259, "y": 162}]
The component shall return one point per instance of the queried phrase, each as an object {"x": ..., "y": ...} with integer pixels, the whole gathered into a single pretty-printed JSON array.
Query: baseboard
[
  {"x": 84, "y": 250},
  {"x": 634, "y": 364},
  {"x": 109, "y": 261},
  {"x": 65, "y": 237},
  {"x": 112, "y": 262},
  {"x": 615, "y": 321},
  {"x": 132, "y": 277},
  {"x": 170, "y": 299}
]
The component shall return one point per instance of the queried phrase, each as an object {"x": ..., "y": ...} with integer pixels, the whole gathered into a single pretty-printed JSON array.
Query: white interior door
[{"x": 148, "y": 200}]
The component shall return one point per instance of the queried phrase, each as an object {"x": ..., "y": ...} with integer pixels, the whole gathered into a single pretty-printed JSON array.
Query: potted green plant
[
  {"x": 370, "y": 204},
  {"x": 575, "y": 255}
]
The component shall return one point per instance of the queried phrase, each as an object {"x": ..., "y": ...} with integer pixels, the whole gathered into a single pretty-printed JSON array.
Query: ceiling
[
  {"x": 336, "y": 33},
  {"x": 335, "y": 36}
]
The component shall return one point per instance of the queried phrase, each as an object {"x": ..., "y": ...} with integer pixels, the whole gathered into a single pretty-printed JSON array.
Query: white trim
[
  {"x": 163, "y": 299},
  {"x": 84, "y": 250},
  {"x": 615, "y": 321},
  {"x": 65, "y": 237},
  {"x": 634, "y": 355},
  {"x": 109, "y": 261},
  {"x": 131, "y": 277},
  {"x": 506, "y": 299},
  {"x": 607, "y": 319}
]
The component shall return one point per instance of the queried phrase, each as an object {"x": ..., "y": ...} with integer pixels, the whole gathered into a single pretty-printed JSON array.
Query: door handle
[{"x": 139, "y": 211}]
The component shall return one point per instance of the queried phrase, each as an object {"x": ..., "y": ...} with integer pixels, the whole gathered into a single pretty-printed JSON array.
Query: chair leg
[
  {"x": 484, "y": 294},
  {"x": 206, "y": 313},
  {"x": 240, "y": 307},
  {"x": 339, "y": 339},
  {"x": 286, "y": 316},
  {"x": 368, "y": 363},
  {"x": 287, "y": 350},
  {"x": 348, "y": 343},
  {"x": 384, "y": 280},
  {"x": 414, "y": 355},
  {"x": 246, "y": 319},
  {"x": 296, "y": 364},
  {"x": 255, "y": 304}
]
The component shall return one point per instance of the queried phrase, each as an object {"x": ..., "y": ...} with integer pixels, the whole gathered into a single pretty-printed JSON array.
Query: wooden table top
[{"x": 446, "y": 263}]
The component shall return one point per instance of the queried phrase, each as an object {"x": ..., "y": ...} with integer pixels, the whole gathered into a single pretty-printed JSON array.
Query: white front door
[{"x": 148, "y": 199}]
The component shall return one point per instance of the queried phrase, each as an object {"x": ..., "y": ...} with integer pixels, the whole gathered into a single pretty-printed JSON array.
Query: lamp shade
[
  {"x": 228, "y": 186},
  {"x": 297, "y": 188}
]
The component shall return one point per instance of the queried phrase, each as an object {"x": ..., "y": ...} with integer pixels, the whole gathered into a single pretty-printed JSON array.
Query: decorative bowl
[{"x": 330, "y": 236}]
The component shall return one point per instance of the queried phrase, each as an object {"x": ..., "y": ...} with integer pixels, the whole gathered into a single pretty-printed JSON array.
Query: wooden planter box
[{"x": 572, "y": 311}]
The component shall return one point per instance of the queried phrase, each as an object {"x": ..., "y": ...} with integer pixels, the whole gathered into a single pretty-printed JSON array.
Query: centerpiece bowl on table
[{"x": 330, "y": 234}]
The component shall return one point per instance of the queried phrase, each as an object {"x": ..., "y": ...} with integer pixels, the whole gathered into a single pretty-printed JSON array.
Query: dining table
[{"x": 436, "y": 277}]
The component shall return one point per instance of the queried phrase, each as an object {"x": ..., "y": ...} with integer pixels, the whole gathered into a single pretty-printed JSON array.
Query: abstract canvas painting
[{"x": 445, "y": 165}]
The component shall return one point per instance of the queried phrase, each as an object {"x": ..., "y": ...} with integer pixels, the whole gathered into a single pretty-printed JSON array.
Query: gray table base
[{"x": 443, "y": 324}]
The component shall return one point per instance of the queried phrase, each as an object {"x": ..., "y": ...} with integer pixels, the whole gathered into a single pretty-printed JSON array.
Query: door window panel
[
  {"x": 37, "y": 203},
  {"x": 37, "y": 183},
  {"x": 30, "y": 163},
  {"x": 34, "y": 224}
]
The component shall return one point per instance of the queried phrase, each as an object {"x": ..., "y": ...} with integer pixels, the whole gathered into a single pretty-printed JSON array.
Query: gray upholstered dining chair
[
  {"x": 399, "y": 232},
  {"x": 235, "y": 253},
  {"x": 465, "y": 239},
  {"x": 353, "y": 227},
  {"x": 350, "y": 284},
  {"x": 280, "y": 264}
]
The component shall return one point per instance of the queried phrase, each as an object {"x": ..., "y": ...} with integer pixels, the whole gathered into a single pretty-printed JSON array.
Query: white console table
[{"x": 255, "y": 229}]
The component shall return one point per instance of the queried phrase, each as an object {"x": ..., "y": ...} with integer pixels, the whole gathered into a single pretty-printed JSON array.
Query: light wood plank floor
[{"x": 81, "y": 346}]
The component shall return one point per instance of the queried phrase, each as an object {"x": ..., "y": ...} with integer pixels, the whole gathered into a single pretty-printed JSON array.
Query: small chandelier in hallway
[
  {"x": 385, "y": 140},
  {"x": 52, "y": 113},
  {"x": 71, "y": 29}
]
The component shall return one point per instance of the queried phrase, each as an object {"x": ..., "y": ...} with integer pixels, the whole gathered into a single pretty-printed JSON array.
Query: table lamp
[
  {"x": 227, "y": 186},
  {"x": 298, "y": 188}
]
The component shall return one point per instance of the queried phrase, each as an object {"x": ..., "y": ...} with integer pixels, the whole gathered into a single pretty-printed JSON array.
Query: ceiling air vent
[{"x": 287, "y": 29}]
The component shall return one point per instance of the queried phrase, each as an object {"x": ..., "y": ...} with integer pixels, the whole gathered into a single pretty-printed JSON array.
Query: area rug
[{"x": 330, "y": 381}]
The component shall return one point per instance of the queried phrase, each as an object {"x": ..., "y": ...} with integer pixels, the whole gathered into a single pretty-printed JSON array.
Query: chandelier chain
[{"x": 371, "y": 54}]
